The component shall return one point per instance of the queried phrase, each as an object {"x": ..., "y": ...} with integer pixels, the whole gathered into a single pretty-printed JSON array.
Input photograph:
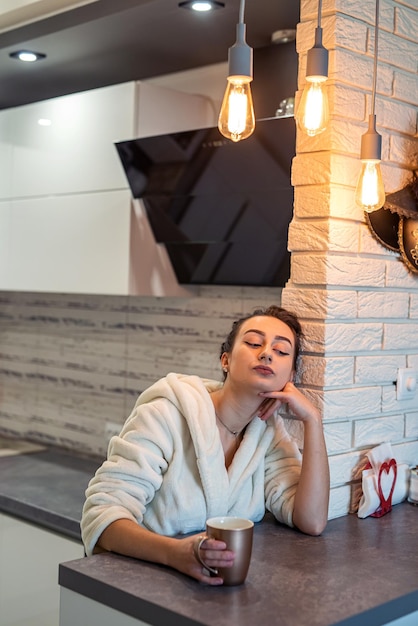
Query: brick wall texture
[{"x": 357, "y": 300}]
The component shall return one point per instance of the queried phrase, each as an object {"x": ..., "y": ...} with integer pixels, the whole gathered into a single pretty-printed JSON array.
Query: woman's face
[{"x": 262, "y": 356}]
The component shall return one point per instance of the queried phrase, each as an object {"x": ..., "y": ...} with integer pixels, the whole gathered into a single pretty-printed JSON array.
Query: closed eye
[
  {"x": 253, "y": 345},
  {"x": 258, "y": 345}
]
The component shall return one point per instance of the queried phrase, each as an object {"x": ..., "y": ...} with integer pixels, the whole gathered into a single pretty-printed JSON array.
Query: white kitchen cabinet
[
  {"x": 75, "y": 244},
  {"x": 67, "y": 222},
  {"x": 5, "y": 231},
  {"x": 29, "y": 559},
  {"x": 6, "y": 152},
  {"x": 76, "y": 152}
]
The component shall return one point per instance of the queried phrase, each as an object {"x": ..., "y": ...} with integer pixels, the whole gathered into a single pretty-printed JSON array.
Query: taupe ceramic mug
[{"x": 237, "y": 533}]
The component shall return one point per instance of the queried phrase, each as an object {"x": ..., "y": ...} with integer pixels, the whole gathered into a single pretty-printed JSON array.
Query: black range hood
[{"x": 221, "y": 209}]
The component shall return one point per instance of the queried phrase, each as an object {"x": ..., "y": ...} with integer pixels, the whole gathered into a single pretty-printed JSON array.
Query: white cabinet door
[
  {"x": 6, "y": 152},
  {"x": 70, "y": 244},
  {"x": 29, "y": 559},
  {"x": 5, "y": 231},
  {"x": 66, "y": 209},
  {"x": 76, "y": 152}
]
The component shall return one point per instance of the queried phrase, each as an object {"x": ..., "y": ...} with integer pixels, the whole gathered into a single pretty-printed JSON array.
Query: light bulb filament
[{"x": 237, "y": 110}]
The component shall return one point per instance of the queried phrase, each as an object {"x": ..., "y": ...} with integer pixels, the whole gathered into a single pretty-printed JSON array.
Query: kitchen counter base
[{"x": 77, "y": 609}]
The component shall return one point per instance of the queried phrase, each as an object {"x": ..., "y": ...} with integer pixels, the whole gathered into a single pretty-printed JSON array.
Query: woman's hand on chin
[
  {"x": 268, "y": 406},
  {"x": 300, "y": 406}
]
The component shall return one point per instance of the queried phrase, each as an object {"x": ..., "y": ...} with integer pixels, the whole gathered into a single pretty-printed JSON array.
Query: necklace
[{"x": 233, "y": 432}]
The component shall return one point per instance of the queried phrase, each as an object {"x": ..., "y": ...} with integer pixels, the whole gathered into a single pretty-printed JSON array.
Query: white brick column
[{"x": 356, "y": 299}]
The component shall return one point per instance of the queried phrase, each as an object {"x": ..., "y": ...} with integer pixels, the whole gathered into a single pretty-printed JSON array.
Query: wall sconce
[
  {"x": 236, "y": 118},
  {"x": 370, "y": 192},
  {"x": 395, "y": 225},
  {"x": 313, "y": 111}
]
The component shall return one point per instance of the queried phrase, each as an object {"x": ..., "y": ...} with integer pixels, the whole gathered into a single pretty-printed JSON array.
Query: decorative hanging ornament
[{"x": 395, "y": 225}]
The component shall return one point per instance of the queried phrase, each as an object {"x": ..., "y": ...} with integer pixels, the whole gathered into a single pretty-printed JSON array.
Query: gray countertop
[
  {"x": 46, "y": 488},
  {"x": 359, "y": 572}
]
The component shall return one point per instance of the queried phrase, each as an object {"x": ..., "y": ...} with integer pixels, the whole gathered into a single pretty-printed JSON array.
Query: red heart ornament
[{"x": 385, "y": 503}]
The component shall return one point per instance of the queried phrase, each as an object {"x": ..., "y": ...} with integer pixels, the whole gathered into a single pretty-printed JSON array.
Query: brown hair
[{"x": 285, "y": 316}]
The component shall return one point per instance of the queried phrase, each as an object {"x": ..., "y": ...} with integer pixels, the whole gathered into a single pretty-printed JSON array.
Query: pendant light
[
  {"x": 312, "y": 114},
  {"x": 236, "y": 118},
  {"x": 370, "y": 192}
]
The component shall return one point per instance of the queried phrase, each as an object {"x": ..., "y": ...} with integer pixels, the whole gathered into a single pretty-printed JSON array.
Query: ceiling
[{"x": 96, "y": 43}]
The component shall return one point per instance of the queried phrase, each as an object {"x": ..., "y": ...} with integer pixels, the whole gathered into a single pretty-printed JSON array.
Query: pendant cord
[
  {"x": 319, "y": 13},
  {"x": 376, "y": 37},
  {"x": 241, "y": 11},
  {"x": 233, "y": 432}
]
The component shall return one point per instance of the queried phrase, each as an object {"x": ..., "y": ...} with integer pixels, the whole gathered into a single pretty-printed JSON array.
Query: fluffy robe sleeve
[{"x": 127, "y": 481}]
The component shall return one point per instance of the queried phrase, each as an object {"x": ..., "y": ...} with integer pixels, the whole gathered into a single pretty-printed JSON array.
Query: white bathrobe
[{"x": 166, "y": 469}]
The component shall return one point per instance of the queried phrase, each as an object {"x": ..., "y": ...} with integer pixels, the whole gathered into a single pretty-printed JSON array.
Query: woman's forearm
[
  {"x": 128, "y": 538},
  {"x": 312, "y": 497},
  {"x": 125, "y": 537}
]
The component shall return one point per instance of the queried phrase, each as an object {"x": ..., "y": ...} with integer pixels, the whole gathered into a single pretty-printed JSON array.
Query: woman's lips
[{"x": 262, "y": 369}]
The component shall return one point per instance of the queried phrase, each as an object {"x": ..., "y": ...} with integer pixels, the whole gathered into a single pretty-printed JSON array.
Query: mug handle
[{"x": 198, "y": 544}]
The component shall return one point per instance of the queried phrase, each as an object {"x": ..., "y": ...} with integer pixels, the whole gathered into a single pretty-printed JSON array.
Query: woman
[{"x": 195, "y": 448}]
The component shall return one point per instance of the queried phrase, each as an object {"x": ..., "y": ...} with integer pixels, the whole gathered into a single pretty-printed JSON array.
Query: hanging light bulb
[
  {"x": 312, "y": 114},
  {"x": 236, "y": 117},
  {"x": 370, "y": 192}
]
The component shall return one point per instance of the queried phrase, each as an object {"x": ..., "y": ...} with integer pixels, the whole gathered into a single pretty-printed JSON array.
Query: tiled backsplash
[{"x": 70, "y": 364}]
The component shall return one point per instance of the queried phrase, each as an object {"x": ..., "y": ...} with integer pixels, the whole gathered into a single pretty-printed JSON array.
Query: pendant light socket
[
  {"x": 317, "y": 59},
  {"x": 240, "y": 55},
  {"x": 371, "y": 142}
]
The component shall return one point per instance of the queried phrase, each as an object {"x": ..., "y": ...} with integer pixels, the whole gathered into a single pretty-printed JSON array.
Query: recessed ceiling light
[
  {"x": 283, "y": 36},
  {"x": 27, "y": 56},
  {"x": 201, "y": 5}
]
